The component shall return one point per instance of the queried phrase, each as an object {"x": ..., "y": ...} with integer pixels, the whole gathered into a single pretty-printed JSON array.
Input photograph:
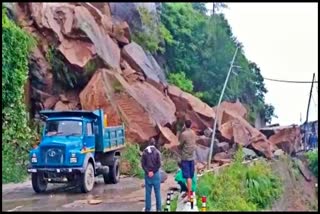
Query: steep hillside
[{"x": 114, "y": 56}]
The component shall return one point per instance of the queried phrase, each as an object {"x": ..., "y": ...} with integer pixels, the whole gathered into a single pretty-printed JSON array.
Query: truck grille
[{"x": 53, "y": 155}]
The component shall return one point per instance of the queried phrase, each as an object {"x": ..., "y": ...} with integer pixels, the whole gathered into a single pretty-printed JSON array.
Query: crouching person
[
  {"x": 151, "y": 163},
  {"x": 183, "y": 182}
]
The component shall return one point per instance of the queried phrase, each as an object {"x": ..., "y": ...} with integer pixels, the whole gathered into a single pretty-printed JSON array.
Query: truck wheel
[
  {"x": 39, "y": 184},
  {"x": 114, "y": 174},
  {"x": 87, "y": 181}
]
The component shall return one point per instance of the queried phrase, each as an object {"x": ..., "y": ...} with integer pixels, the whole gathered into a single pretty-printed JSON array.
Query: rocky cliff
[{"x": 86, "y": 59}]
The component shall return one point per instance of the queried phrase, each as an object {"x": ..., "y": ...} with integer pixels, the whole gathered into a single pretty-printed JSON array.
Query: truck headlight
[
  {"x": 34, "y": 158},
  {"x": 73, "y": 158}
]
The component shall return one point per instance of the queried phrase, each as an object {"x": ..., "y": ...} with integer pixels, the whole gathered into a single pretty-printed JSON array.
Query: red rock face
[
  {"x": 120, "y": 106},
  {"x": 77, "y": 52},
  {"x": 195, "y": 110},
  {"x": 236, "y": 127},
  {"x": 288, "y": 139},
  {"x": 127, "y": 83},
  {"x": 236, "y": 108}
]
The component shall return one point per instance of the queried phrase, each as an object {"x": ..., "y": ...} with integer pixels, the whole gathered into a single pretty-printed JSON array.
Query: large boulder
[
  {"x": 144, "y": 63},
  {"x": 140, "y": 105},
  {"x": 77, "y": 52},
  {"x": 106, "y": 48},
  {"x": 104, "y": 91},
  {"x": 78, "y": 21},
  {"x": 287, "y": 138},
  {"x": 222, "y": 158},
  {"x": 197, "y": 111},
  {"x": 248, "y": 154},
  {"x": 236, "y": 108},
  {"x": 243, "y": 133},
  {"x": 167, "y": 137},
  {"x": 202, "y": 153},
  {"x": 129, "y": 12}
]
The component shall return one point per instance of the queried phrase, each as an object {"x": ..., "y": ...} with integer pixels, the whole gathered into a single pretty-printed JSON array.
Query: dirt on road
[{"x": 127, "y": 195}]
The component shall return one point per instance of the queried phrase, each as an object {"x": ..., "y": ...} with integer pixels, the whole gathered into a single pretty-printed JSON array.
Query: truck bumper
[{"x": 56, "y": 170}]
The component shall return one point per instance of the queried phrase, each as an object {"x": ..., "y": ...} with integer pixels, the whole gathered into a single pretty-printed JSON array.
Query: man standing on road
[
  {"x": 188, "y": 146},
  {"x": 151, "y": 162}
]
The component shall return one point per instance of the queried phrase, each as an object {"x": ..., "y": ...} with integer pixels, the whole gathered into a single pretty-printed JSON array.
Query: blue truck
[{"x": 75, "y": 148}]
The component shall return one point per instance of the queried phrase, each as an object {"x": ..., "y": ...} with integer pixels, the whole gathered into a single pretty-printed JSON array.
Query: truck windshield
[{"x": 63, "y": 128}]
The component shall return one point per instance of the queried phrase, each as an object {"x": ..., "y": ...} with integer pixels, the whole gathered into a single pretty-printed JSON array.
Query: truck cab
[{"x": 76, "y": 147}]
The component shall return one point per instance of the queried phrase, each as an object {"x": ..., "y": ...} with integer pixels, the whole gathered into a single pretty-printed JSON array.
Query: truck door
[{"x": 89, "y": 137}]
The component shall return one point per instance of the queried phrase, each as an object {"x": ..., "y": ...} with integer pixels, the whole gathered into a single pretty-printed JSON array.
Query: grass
[
  {"x": 131, "y": 154},
  {"x": 173, "y": 204},
  {"x": 170, "y": 165},
  {"x": 117, "y": 87},
  {"x": 170, "y": 161},
  {"x": 240, "y": 187},
  {"x": 312, "y": 157}
]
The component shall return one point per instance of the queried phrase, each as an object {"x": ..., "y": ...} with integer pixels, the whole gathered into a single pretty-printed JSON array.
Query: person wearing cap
[{"x": 151, "y": 163}]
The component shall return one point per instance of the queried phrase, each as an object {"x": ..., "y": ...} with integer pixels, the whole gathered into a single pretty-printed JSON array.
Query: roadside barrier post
[
  {"x": 167, "y": 209},
  {"x": 191, "y": 200},
  {"x": 204, "y": 204}
]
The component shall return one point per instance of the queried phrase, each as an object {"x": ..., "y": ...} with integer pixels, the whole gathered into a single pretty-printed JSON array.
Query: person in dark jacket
[{"x": 151, "y": 163}]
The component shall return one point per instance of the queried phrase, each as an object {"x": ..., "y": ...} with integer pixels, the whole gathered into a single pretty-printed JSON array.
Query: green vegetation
[
  {"x": 17, "y": 137},
  {"x": 180, "y": 80},
  {"x": 70, "y": 77},
  {"x": 312, "y": 157},
  {"x": 152, "y": 34},
  {"x": 169, "y": 161},
  {"x": 240, "y": 187},
  {"x": 117, "y": 87},
  {"x": 170, "y": 165},
  {"x": 201, "y": 49},
  {"x": 132, "y": 156},
  {"x": 173, "y": 204}
]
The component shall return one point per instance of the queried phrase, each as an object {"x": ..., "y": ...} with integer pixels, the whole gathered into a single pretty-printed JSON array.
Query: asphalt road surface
[{"x": 127, "y": 195}]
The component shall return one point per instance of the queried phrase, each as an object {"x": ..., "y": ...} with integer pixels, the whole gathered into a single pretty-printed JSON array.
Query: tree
[
  {"x": 216, "y": 6},
  {"x": 202, "y": 48},
  {"x": 268, "y": 113},
  {"x": 200, "y": 6}
]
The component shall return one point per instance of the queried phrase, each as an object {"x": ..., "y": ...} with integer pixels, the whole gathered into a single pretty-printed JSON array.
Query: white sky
[{"x": 282, "y": 38}]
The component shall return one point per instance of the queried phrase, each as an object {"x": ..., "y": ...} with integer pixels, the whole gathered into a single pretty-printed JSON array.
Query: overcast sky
[{"x": 282, "y": 38}]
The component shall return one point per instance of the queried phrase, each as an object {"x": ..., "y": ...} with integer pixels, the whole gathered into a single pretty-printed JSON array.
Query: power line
[{"x": 289, "y": 81}]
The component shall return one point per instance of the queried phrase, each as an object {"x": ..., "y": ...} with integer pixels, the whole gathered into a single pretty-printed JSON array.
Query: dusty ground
[
  {"x": 298, "y": 194},
  {"x": 128, "y": 195}
]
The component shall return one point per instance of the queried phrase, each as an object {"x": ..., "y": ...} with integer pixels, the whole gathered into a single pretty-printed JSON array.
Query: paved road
[{"x": 127, "y": 195}]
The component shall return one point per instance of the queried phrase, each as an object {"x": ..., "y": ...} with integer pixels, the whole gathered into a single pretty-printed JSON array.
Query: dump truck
[{"x": 75, "y": 147}]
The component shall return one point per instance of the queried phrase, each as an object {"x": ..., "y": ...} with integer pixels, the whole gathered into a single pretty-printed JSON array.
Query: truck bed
[{"x": 113, "y": 139}]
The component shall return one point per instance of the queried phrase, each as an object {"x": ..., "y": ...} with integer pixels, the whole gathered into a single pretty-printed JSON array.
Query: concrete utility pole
[
  {"x": 305, "y": 135},
  {"x": 217, "y": 112}
]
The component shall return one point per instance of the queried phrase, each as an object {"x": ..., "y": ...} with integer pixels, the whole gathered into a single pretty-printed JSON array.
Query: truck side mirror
[{"x": 43, "y": 118}]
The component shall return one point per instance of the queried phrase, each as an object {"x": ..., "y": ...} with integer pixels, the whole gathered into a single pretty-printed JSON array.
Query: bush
[
  {"x": 131, "y": 155},
  {"x": 152, "y": 34},
  {"x": 312, "y": 157},
  {"x": 17, "y": 137},
  {"x": 170, "y": 165},
  {"x": 180, "y": 80},
  {"x": 262, "y": 185},
  {"x": 239, "y": 187}
]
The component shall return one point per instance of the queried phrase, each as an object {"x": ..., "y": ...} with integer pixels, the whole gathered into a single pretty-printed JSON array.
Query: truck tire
[
  {"x": 39, "y": 184},
  {"x": 87, "y": 179},
  {"x": 106, "y": 178},
  {"x": 114, "y": 173}
]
